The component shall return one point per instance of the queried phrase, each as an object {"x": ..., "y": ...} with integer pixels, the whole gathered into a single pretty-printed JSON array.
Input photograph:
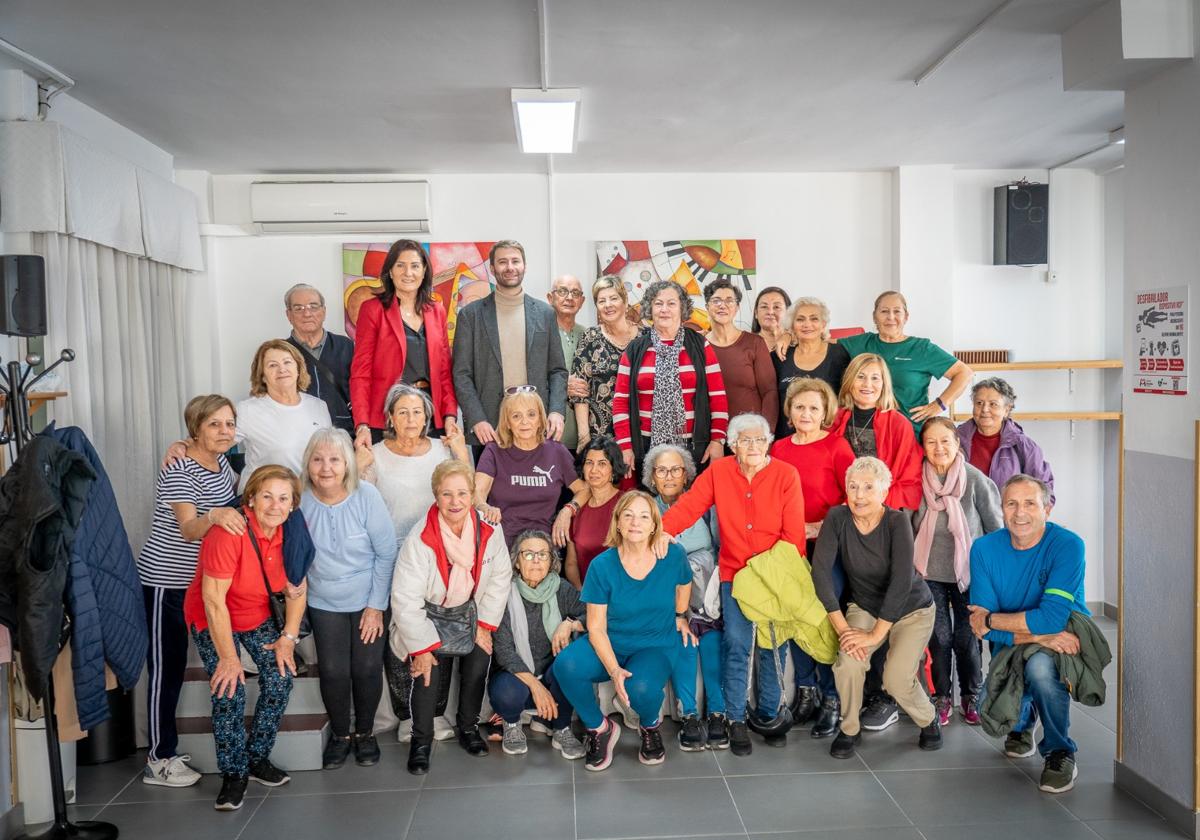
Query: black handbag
[
  {"x": 456, "y": 625},
  {"x": 276, "y": 601}
]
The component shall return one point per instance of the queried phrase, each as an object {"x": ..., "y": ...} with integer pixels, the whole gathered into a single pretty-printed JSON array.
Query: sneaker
[
  {"x": 1019, "y": 744},
  {"x": 169, "y": 772},
  {"x": 443, "y": 730},
  {"x": 233, "y": 791},
  {"x": 514, "y": 739},
  {"x": 691, "y": 734},
  {"x": 843, "y": 745},
  {"x": 565, "y": 742},
  {"x": 718, "y": 732},
  {"x": 335, "y": 753},
  {"x": 931, "y": 736},
  {"x": 539, "y": 725},
  {"x": 651, "y": 751},
  {"x": 970, "y": 712},
  {"x": 879, "y": 714},
  {"x": 404, "y": 731},
  {"x": 366, "y": 750},
  {"x": 266, "y": 773},
  {"x": 628, "y": 715},
  {"x": 1058, "y": 776},
  {"x": 739, "y": 738},
  {"x": 599, "y": 745},
  {"x": 944, "y": 708}
]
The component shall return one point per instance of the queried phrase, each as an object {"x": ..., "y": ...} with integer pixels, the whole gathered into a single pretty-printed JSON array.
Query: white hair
[
  {"x": 816, "y": 303},
  {"x": 748, "y": 423},
  {"x": 873, "y": 467},
  {"x": 301, "y": 287},
  {"x": 340, "y": 440}
]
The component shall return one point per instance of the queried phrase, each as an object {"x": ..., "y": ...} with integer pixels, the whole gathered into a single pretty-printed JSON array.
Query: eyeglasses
[
  {"x": 301, "y": 308},
  {"x": 573, "y": 294},
  {"x": 750, "y": 441},
  {"x": 722, "y": 301},
  {"x": 520, "y": 389},
  {"x": 530, "y": 556},
  {"x": 668, "y": 472}
]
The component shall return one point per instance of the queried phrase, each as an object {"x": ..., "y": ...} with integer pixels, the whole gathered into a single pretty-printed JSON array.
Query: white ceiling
[{"x": 668, "y": 85}]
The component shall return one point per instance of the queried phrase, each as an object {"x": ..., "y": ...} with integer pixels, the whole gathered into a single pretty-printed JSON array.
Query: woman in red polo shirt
[{"x": 227, "y": 607}]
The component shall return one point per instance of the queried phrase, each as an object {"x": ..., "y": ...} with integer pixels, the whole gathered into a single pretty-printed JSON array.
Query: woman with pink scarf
[
  {"x": 455, "y": 557},
  {"x": 958, "y": 504}
]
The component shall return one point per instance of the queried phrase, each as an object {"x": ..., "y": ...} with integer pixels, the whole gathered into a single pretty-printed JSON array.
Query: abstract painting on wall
[
  {"x": 692, "y": 263},
  {"x": 461, "y": 274}
]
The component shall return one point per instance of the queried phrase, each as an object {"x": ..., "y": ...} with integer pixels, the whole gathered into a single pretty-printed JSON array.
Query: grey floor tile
[
  {"x": 816, "y": 802},
  {"x": 655, "y": 808},
  {"x": 1145, "y": 829},
  {"x": 451, "y": 767},
  {"x": 544, "y": 811},
  {"x": 847, "y": 834},
  {"x": 98, "y": 784},
  {"x": 1009, "y": 831},
  {"x": 206, "y": 790},
  {"x": 1094, "y": 797},
  {"x": 179, "y": 820},
  {"x": 389, "y": 774},
  {"x": 969, "y": 797},
  {"x": 382, "y": 816},
  {"x": 801, "y": 754},
  {"x": 962, "y": 746}
]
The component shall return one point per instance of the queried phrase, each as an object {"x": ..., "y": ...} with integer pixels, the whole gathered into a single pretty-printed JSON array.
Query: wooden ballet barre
[{"x": 1078, "y": 364}]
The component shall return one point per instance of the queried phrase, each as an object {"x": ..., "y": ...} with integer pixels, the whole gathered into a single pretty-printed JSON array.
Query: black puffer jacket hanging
[{"x": 42, "y": 499}]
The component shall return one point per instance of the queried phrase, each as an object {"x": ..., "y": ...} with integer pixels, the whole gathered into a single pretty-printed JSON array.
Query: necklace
[{"x": 858, "y": 434}]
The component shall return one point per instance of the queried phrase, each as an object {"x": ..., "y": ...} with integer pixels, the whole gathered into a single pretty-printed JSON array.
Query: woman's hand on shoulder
[{"x": 228, "y": 519}]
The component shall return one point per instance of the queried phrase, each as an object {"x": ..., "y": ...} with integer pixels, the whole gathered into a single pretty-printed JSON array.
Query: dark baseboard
[
  {"x": 1103, "y": 608},
  {"x": 12, "y": 822},
  {"x": 1179, "y": 816}
]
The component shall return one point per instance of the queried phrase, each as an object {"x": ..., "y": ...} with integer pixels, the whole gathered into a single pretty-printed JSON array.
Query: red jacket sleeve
[
  {"x": 718, "y": 401},
  {"x": 791, "y": 504},
  {"x": 692, "y": 504},
  {"x": 366, "y": 337},
  {"x": 899, "y": 450},
  {"x": 622, "y": 394}
]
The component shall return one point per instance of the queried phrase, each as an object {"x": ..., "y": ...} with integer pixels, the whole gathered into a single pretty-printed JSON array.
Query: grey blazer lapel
[
  {"x": 487, "y": 314},
  {"x": 534, "y": 325}
]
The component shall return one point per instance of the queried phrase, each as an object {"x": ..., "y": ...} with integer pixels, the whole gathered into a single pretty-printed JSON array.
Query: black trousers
[
  {"x": 953, "y": 646},
  {"x": 350, "y": 671},
  {"x": 166, "y": 664},
  {"x": 472, "y": 683}
]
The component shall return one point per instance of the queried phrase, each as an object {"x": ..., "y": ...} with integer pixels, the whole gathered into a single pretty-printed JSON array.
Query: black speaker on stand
[
  {"x": 22, "y": 295},
  {"x": 1021, "y": 224}
]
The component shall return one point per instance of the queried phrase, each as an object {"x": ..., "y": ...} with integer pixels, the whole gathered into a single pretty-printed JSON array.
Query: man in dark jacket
[{"x": 326, "y": 355}]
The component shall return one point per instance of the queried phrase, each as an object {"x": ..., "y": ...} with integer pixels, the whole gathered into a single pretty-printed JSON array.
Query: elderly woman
[
  {"x": 522, "y": 474},
  {"x": 594, "y": 370},
  {"x": 994, "y": 443},
  {"x": 401, "y": 336},
  {"x": 453, "y": 570},
  {"x": 190, "y": 499},
  {"x": 889, "y": 601},
  {"x": 745, "y": 361},
  {"x": 821, "y": 459},
  {"x": 669, "y": 385},
  {"x": 544, "y": 611},
  {"x": 349, "y": 584},
  {"x": 769, "y": 308},
  {"x": 914, "y": 362},
  {"x": 227, "y": 607},
  {"x": 869, "y": 420},
  {"x": 602, "y": 471},
  {"x": 759, "y": 502},
  {"x": 810, "y": 354},
  {"x": 636, "y": 620},
  {"x": 670, "y": 470},
  {"x": 959, "y": 504}
]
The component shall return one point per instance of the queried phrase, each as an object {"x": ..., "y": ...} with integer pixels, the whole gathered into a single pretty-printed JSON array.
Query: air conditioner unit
[{"x": 340, "y": 206}]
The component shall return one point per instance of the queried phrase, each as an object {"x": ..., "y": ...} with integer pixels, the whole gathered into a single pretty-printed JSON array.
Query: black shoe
[
  {"x": 843, "y": 745},
  {"x": 828, "y": 718},
  {"x": 691, "y": 734},
  {"x": 651, "y": 751},
  {"x": 931, "y": 736},
  {"x": 776, "y": 740},
  {"x": 366, "y": 750},
  {"x": 718, "y": 732},
  {"x": 266, "y": 773},
  {"x": 472, "y": 742},
  {"x": 879, "y": 714},
  {"x": 335, "y": 752},
  {"x": 805, "y": 704},
  {"x": 233, "y": 791},
  {"x": 418, "y": 758},
  {"x": 599, "y": 745},
  {"x": 739, "y": 738}
]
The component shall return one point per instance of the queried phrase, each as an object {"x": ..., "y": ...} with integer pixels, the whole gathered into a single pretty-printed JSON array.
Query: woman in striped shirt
[
  {"x": 191, "y": 497},
  {"x": 669, "y": 387}
]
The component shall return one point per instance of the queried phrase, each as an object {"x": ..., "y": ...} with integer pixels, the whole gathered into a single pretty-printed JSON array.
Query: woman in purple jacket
[{"x": 993, "y": 443}]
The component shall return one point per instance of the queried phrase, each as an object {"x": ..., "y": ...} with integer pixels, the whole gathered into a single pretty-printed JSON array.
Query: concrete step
[
  {"x": 195, "y": 699},
  {"x": 298, "y": 746}
]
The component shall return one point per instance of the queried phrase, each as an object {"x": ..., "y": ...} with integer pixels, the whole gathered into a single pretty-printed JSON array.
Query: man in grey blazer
[{"x": 507, "y": 340}]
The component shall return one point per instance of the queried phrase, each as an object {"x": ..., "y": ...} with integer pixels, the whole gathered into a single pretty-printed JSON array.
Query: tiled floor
[{"x": 891, "y": 790}]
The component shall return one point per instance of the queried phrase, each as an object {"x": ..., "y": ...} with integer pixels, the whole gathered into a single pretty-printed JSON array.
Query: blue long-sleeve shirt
[
  {"x": 356, "y": 551},
  {"x": 1045, "y": 582}
]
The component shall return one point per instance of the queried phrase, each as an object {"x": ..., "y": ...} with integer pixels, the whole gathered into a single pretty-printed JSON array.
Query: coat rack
[{"x": 17, "y": 430}]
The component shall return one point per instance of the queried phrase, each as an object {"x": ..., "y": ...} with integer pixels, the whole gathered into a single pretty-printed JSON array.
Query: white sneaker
[
  {"x": 540, "y": 726},
  {"x": 628, "y": 715},
  {"x": 404, "y": 731},
  {"x": 170, "y": 772},
  {"x": 443, "y": 730}
]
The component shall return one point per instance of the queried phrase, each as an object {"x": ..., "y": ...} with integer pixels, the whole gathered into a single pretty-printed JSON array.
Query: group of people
[{"x": 598, "y": 533}]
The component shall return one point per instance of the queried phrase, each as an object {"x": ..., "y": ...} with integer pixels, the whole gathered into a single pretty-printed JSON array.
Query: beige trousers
[{"x": 906, "y": 644}]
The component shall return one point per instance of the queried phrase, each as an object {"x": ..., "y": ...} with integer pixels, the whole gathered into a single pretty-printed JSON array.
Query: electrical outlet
[{"x": 1050, "y": 276}]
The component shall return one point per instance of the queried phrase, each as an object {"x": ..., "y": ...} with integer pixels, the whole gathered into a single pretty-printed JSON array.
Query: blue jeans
[
  {"x": 809, "y": 673},
  {"x": 683, "y": 678},
  {"x": 1047, "y": 697},
  {"x": 510, "y": 697},
  {"x": 737, "y": 642},
  {"x": 578, "y": 668}
]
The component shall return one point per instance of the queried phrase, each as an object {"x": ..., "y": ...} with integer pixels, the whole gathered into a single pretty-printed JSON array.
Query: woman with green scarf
[{"x": 544, "y": 611}]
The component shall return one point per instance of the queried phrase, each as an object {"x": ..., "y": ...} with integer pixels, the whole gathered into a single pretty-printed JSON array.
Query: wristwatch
[
  {"x": 987, "y": 621},
  {"x": 293, "y": 639},
  {"x": 938, "y": 400},
  {"x": 681, "y": 614}
]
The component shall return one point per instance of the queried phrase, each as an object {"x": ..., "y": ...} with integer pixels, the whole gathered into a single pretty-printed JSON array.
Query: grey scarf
[
  {"x": 668, "y": 419},
  {"x": 546, "y": 594}
]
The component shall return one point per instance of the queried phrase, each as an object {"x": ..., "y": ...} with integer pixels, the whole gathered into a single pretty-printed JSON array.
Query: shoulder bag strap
[
  {"x": 261, "y": 565},
  {"x": 322, "y": 368}
]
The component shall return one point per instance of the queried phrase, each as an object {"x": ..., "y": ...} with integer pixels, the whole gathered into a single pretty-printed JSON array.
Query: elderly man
[
  {"x": 566, "y": 299},
  {"x": 506, "y": 343},
  {"x": 1026, "y": 580},
  {"x": 326, "y": 355}
]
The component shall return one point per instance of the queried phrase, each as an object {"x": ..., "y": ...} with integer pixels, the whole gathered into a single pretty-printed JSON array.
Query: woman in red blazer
[
  {"x": 870, "y": 421},
  {"x": 401, "y": 336}
]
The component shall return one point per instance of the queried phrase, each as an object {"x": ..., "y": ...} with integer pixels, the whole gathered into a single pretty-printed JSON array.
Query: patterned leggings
[{"x": 234, "y": 753}]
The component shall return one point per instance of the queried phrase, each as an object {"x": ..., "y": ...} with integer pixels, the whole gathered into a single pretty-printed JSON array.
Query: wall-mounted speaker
[
  {"x": 1021, "y": 224},
  {"x": 22, "y": 295}
]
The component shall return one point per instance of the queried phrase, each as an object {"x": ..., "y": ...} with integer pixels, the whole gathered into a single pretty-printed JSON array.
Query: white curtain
[{"x": 125, "y": 318}]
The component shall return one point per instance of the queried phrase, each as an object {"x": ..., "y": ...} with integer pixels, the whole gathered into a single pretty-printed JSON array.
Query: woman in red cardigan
[
  {"x": 401, "y": 337},
  {"x": 870, "y": 420}
]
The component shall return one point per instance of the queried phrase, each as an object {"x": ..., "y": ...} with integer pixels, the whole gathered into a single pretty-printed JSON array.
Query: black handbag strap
[
  {"x": 322, "y": 368},
  {"x": 261, "y": 565}
]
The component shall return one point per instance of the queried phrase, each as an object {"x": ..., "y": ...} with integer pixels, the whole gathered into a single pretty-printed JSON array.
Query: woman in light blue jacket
[{"x": 349, "y": 585}]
